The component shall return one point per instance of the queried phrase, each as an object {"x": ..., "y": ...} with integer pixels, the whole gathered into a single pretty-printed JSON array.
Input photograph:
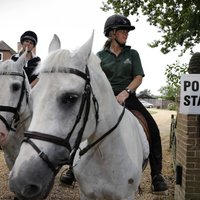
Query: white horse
[
  {"x": 73, "y": 102},
  {"x": 15, "y": 108}
]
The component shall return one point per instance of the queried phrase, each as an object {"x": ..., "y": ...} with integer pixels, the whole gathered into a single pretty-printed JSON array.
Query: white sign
[{"x": 190, "y": 94}]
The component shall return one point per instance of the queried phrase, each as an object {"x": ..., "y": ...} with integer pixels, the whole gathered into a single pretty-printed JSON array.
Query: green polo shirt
[{"x": 121, "y": 70}]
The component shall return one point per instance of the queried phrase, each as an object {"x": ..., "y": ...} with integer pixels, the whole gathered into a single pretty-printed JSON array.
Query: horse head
[
  {"x": 72, "y": 102},
  {"x": 14, "y": 106}
]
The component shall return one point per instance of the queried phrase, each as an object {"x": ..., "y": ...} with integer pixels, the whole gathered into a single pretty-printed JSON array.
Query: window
[{"x": 1, "y": 56}]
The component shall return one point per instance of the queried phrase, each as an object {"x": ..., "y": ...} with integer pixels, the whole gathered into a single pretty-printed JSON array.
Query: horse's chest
[
  {"x": 101, "y": 189},
  {"x": 107, "y": 182}
]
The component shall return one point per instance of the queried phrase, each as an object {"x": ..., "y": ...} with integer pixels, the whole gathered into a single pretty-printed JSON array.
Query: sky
[{"x": 73, "y": 21}]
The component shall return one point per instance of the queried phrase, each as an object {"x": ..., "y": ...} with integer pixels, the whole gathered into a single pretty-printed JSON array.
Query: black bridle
[
  {"x": 14, "y": 110},
  {"x": 84, "y": 106}
]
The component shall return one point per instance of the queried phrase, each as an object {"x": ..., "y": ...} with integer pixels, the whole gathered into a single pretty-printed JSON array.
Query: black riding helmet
[
  {"x": 117, "y": 21},
  {"x": 30, "y": 35}
]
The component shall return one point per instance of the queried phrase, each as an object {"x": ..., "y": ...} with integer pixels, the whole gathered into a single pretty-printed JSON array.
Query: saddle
[{"x": 144, "y": 124}]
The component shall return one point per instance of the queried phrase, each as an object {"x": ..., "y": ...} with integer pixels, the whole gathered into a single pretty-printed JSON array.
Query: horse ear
[
  {"x": 54, "y": 44},
  {"x": 21, "y": 61},
  {"x": 86, "y": 49}
]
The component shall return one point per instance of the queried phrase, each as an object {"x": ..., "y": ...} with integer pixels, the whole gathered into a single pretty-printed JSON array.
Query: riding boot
[
  {"x": 68, "y": 178},
  {"x": 158, "y": 182}
]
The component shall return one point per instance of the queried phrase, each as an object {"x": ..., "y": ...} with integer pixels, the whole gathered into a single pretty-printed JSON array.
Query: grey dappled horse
[
  {"x": 15, "y": 108},
  {"x": 77, "y": 119}
]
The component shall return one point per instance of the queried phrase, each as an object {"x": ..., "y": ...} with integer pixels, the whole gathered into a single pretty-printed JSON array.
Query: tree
[
  {"x": 168, "y": 92},
  {"x": 146, "y": 91},
  {"x": 177, "y": 20},
  {"x": 173, "y": 74}
]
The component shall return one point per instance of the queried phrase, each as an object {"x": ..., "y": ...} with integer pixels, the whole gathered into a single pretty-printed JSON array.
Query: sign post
[{"x": 190, "y": 94}]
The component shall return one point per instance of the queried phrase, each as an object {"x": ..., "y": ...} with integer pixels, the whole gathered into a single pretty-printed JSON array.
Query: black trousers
[{"x": 155, "y": 157}]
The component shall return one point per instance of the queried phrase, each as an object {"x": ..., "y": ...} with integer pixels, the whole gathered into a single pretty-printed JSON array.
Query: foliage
[
  {"x": 172, "y": 106},
  {"x": 145, "y": 91},
  {"x": 173, "y": 74},
  {"x": 168, "y": 92},
  {"x": 177, "y": 20}
]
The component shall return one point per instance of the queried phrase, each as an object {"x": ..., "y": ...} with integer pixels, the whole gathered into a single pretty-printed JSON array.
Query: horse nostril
[{"x": 31, "y": 191}]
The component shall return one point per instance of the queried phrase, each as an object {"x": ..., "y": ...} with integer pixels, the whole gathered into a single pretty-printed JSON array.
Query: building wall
[
  {"x": 188, "y": 157},
  {"x": 6, "y": 55},
  {"x": 159, "y": 103}
]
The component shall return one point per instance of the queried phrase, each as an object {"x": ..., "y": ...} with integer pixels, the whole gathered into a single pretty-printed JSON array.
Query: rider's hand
[{"x": 122, "y": 96}]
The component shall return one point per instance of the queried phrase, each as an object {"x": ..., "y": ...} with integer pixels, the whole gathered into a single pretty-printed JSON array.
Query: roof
[
  {"x": 5, "y": 47},
  {"x": 145, "y": 96}
]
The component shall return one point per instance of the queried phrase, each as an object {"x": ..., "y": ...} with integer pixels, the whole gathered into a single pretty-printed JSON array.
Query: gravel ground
[{"x": 62, "y": 192}]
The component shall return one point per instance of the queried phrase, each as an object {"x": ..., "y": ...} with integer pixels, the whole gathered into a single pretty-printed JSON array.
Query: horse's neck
[
  {"x": 106, "y": 123},
  {"x": 11, "y": 150},
  {"x": 128, "y": 135},
  {"x": 110, "y": 117}
]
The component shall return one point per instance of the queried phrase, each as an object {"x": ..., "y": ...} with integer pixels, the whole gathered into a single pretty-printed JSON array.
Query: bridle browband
[
  {"x": 14, "y": 110},
  {"x": 84, "y": 106}
]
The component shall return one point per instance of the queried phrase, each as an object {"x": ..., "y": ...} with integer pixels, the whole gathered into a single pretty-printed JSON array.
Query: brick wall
[
  {"x": 6, "y": 55},
  {"x": 188, "y": 157}
]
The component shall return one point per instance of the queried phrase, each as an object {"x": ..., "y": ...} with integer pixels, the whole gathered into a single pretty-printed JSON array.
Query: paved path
[{"x": 163, "y": 119}]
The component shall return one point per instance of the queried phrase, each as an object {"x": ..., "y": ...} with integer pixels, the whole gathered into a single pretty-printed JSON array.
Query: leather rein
[{"x": 84, "y": 106}]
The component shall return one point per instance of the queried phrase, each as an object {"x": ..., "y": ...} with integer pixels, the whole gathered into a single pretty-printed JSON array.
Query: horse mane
[
  {"x": 61, "y": 59},
  {"x": 8, "y": 66},
  {"x": 56, "y": 61}
]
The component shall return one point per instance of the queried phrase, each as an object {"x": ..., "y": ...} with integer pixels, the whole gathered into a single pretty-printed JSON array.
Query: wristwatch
[{"x": 129, "y": 90}]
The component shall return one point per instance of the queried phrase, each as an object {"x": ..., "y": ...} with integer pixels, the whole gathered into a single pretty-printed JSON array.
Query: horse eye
[
  {"x": 69, "y": 99},
  {"x": 15, "y": 87}
]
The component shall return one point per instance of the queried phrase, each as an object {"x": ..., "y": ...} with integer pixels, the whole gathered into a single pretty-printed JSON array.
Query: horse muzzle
[{"x": 29, "y": 189}]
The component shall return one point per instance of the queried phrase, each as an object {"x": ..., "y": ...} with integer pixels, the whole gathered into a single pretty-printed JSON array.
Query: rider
[
  {"x": 123, "y": 69},
  {"x": 29, "y": 40}
]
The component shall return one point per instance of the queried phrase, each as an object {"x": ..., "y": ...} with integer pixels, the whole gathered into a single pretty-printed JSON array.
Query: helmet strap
[{"x": 120, "y": 44}]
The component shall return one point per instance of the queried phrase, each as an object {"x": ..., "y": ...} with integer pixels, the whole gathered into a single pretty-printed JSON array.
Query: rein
[
  {"x": 84, "y": 106},
  {"x": 14, "y": 110},
  {"x": 89, "y": 146}
]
